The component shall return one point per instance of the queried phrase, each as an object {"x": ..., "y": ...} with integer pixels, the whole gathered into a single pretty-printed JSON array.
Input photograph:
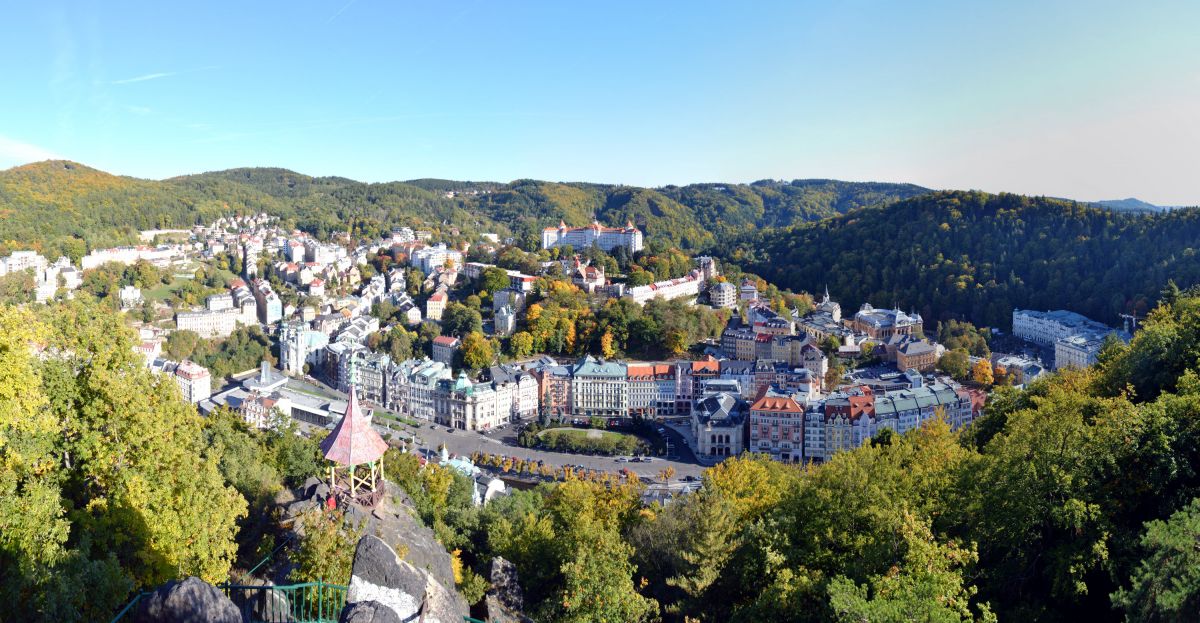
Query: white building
[
  {"x": 607, "y": 238},
  {"x": 599, "y": 388},
  {"x": 429, "y": 258},
  {"x": 748, "y": 290},
  {"x": 208, "y": 324},
  {"x": 219, "y": 302},
  {"x": 270, "y": 307},
  {"x": 688, "y": 286},
  {"x": 298, "y": 345},
  {"x": 1076, "y": 338},
  {"x": 1078, "y": 351},
  {"x": 22, "y": 260},
  {"x": 195, "y": 382},
  {"x": 718, "y": 425},
  {"x": 506, "y": 321},
  {"x": 412, "y": 384},
  {"x": 159, "y": 256},
  {"x": 1048, "y": 327},
  {"x": 511, "y": 297},
  {"x": 129, "y": 297},
  {"x": 723, "y": 295},
  {"x": 444, "y": 348}
]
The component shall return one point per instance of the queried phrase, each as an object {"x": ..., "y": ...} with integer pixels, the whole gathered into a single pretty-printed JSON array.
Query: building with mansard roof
[{"x": 607, "y": 238}]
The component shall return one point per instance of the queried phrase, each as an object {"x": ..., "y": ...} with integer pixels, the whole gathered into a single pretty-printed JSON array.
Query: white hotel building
[{"x": 607, "y": 238}]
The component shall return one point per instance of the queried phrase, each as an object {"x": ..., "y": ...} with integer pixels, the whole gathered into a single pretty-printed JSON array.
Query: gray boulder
[
  {"x": 395, "y": 521},
  {"x": 308, "y": 489},
  {"x": 410, "y": 592},
  {"x": 368, "y": 612},
  {"x": 188, "y": 601}
]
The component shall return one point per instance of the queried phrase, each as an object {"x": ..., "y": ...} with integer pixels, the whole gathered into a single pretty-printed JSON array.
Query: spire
[
  {"x": 826, "y": 293},
  {"x": 562, "y": 224},
  {"x": 353, "y": 441}
]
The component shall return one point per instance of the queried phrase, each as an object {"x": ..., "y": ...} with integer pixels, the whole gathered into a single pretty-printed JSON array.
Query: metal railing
[
  {"x": 129, "y": 606},
  {"x": 310, "y": 602}
]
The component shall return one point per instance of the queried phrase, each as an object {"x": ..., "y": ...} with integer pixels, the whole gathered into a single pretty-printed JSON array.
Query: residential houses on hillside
[{"x": 764, "y": 391}]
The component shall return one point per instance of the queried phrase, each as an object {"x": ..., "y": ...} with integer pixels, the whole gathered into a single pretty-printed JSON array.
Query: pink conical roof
[{"x": 353, "y": 441}]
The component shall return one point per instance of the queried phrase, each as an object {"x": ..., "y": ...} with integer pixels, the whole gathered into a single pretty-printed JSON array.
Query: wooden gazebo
[{"x": 354, "y": 444}]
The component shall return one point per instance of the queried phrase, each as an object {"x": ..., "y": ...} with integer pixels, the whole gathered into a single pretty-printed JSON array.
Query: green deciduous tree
[
  {"x": 928, "y": 585},
  {"x": 1165, "y": 586},
  {"x": 105, "y": 482},
  {"x": 956, "y": 363},
  {"x": 477, "y": 351}
]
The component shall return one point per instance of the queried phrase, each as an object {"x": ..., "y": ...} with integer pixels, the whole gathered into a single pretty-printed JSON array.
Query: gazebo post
[{"x": 354, "y": 442}]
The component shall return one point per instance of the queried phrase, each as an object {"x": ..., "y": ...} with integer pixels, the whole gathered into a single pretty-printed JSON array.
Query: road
[{"x": 504, "y": 442}]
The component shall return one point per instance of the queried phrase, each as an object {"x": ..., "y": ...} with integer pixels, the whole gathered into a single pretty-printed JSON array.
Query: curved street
[{"x": 504, "y": 442}]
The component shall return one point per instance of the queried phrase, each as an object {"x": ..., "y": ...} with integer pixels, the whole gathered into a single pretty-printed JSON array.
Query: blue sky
[{"x": 1088, "y": 100}]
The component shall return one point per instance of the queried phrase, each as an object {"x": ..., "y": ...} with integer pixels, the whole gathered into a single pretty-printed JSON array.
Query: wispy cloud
[
  {"x": 340, "y": 11},
  {"x": 145, "y": 77},
  {"x": 13, "y": 152}
]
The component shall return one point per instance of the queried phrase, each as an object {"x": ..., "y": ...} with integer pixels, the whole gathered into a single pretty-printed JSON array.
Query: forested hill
[
  {"x": 54, "y": 205},
  {"x": 977, "y": 255}
]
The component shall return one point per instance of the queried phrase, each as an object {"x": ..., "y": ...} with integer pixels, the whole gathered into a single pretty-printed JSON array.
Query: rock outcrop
[
  {"x": 369, "y": 612},
  {"x": 504, "y": 600},
  {"x": 191, "y": 600},
  {"x": 393, "y": 519},
  {"x": 381, "y": 582}
]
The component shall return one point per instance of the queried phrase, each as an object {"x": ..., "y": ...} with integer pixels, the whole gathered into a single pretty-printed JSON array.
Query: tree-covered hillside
[
  {"x": 58, "y": 205},
  {"x": 976, "y": 255},
  {"x": 45, "y": 204}
]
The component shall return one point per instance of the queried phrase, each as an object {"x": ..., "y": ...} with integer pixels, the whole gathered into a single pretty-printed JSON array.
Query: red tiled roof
[
  {"x": 639, "y": 370},
  {"x": 778, "y": 404},
  {"x": 445, "y": 340},
  {"x": 353, "y": 441}
]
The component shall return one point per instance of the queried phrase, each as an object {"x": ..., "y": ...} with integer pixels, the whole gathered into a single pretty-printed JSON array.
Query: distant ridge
[
  {"x": 59, "y": 206},
  {"x": 955, "y": 254},
  {"x": 1131, "y": 204}
]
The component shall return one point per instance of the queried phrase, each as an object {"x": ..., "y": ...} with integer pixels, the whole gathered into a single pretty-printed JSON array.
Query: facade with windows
[
  {"x": 719, "y": 425},
  {"x": 777, "y": 427}
]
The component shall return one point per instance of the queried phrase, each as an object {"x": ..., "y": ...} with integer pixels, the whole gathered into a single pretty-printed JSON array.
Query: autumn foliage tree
[
  {"x": 981, "y": 372},
  {"x": 105, "y": 481}
]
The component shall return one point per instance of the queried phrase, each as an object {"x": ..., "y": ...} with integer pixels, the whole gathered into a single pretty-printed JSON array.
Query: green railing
[
  {"x": 311, "y": 602},
  {"x": 129, "y": 606}
]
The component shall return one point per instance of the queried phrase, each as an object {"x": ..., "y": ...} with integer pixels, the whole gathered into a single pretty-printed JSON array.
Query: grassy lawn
[
  {"x": 161, "y": 292},
  {"x": 591, "y": 441},
  {"x": 582, "y": 434}
]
